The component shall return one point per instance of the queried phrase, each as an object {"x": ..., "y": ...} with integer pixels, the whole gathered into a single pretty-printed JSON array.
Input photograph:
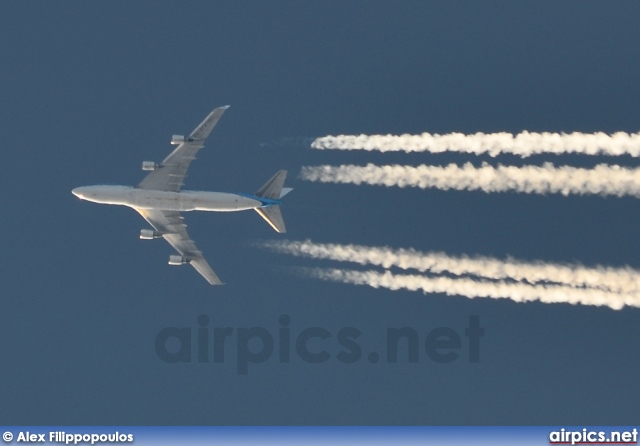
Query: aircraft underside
[{"x": 159, "y": 198}]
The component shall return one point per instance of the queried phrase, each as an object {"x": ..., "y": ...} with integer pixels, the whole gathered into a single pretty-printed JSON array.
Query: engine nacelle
[
  {"x": 177, "y": 260},
  {"x": 178, "y": 139},
  {"x": 149, "y": 234},
  {"x": 149, "y": 165}
]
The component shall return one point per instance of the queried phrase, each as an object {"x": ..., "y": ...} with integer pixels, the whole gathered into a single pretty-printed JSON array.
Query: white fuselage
[{"x": 169, "y": 201}]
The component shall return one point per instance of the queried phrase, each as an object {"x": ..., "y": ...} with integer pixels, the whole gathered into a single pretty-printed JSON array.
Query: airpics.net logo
[
  {"x": 207, "y": 342},
  {"x": 591, "y": 436}
]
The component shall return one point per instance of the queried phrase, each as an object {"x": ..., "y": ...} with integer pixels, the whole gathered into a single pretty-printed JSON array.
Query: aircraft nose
[{"x": 78, "y": 192}]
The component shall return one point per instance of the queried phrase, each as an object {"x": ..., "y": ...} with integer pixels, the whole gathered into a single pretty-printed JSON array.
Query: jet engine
[
  {"x": 177, "y": 260},
  {"x": 149, "y": 165},
  {"x": 178, "y": 139},
  {"x": 148, "y": 234}
]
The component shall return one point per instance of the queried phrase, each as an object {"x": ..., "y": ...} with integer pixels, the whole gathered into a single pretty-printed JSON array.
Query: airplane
[{"x": 159, "y": 198}]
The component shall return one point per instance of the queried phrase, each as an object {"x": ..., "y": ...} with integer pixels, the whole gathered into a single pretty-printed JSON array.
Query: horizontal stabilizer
[
  {"x": 273, "y": 216},
  {"x": 273, "y": 187}
]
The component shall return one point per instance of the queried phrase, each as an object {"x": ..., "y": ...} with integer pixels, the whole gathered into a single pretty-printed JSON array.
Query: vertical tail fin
[{"x": 274, "y": 190}]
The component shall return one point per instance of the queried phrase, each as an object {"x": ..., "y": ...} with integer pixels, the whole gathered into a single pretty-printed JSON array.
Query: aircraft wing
[
  {"x": 170, "y": 175},
  {"x": 171, "y": 225}
]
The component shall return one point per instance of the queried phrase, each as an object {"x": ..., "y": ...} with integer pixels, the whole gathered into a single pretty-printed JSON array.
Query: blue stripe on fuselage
[{"x": 266, "y": 202}]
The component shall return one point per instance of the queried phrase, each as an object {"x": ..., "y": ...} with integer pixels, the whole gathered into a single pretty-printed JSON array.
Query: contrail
[
  {"x": 523, "y": 144},
  {"x": 518, "y": 292},
  {"x": 601, "y": 180},
  {"x": 614, "y": 280}
]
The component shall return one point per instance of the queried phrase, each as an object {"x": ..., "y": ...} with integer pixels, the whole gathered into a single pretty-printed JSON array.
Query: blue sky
[{"x": 89, "y": 90}]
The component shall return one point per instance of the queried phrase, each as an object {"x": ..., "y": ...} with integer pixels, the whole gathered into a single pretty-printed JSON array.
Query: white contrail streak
[
  {"x": 601, "y": 180},
  {"x": 523, "y": 144},
  {"x": 614, "y": 280},
  {"x": 518, "y": 292}
]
